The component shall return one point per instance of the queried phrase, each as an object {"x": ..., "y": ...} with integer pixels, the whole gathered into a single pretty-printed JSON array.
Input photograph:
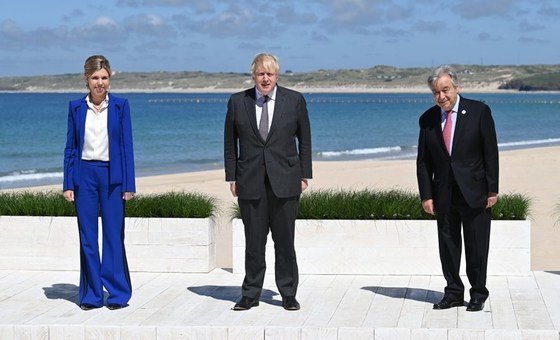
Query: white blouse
[{"x": 96, "y": 137}]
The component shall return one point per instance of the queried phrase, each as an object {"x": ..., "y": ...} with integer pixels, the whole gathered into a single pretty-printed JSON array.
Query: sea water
[{"x": 175, "y": 132}]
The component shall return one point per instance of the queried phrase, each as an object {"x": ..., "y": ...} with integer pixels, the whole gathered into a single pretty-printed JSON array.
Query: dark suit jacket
[
  {"x": 121, "y": 156},
  {"x": 473, "y": 161},
  {"x": 285, "y": 156}
]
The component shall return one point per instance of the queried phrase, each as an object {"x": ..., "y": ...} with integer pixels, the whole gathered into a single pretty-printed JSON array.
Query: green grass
[
  {"x": 537, "y": 82},
  {"x": 35, "y": 204},
  {"x": 511, "y": 207},
  {"x": 369, "y": 204},
  {"x": 365, "y": 204},
  {"x": 172, "y": 204}
]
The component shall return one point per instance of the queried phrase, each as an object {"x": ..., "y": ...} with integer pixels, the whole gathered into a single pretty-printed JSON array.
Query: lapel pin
[{"x": 463, "y": 112}]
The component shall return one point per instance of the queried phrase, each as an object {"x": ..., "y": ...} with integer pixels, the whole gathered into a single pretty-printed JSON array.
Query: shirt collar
[
  {"x": 271, "y": 95},
  {"x": 454, "y": 111},
  {"x": 455, "y": 108},
  {"x": 104, "y": 105}
]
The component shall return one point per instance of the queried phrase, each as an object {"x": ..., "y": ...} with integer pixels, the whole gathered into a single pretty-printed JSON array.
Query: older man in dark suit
[
  {"x": 267, "y": 151},
  {"x": 457, "y": 170}
]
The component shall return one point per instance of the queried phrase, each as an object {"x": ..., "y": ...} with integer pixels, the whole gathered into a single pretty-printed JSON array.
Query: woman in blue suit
[{"x": 99, "y": 178}]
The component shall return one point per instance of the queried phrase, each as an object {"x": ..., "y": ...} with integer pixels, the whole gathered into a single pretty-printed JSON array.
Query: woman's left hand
[{"x": 128, "y": 196}]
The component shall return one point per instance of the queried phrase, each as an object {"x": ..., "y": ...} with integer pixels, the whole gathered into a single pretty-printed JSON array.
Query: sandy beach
[
  {"x": 478, "y": 87},
  {"x": 534, "y": 172}
]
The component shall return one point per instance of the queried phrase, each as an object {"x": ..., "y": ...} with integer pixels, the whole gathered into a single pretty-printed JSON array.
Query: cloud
[
  {"x": 487, "y": 37},
  {"x": 251, "y": 45},
  {"x": 12, "y": 37},
  {"x": 103, "y": 30},
  {"x": 319, "y": 37},
  {"x": 9, "y": 29},
  {"x": 350, "y": 13},
  {"x": 149, "y": 25},
  {"x": 475, "y": 9},
  {"x": 397, "y": 13},
  {"x": 430, "y": 26},
  {"x": 154, "y": 45},
  {"x": 360, "y": 15},
  {"x": 527, "y": 27},
  {"x": 75, "y": 14},
  {"x": 549, "y": 11},
  {"x": 288, "y": 15},
  {"x": 199, "y": 6},
  {"x": 532, "y": 40},
  {"x": 390, "y": 34},
  {"x": 196, "y": 45},
  {"x": 232, "y": 22}
]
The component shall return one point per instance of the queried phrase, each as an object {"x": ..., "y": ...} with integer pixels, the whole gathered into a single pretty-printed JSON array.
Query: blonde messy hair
[{"x": 266, "y": 62}]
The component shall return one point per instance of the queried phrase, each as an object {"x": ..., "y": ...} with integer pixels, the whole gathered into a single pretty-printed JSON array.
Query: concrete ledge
[
  {"x": 182, "y": 245},
  {"x": 80, "y": 332},
  {"x": 401, "y": 247}
]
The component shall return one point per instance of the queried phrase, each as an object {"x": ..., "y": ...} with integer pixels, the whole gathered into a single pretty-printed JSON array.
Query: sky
[{"x": 55, "y": 37}]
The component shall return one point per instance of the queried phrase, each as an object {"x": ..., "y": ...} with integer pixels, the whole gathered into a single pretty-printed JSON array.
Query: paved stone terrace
[{"x": 42, "y": 305}]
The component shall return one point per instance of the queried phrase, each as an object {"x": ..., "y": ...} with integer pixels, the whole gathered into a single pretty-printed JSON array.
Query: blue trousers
[{"x": 95, "y": 194}]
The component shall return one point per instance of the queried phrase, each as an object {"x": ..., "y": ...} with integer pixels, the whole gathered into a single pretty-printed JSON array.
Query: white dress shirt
[
  {"x": 453, "y": 121},
  {"x": 259, "y": 103},
  {"x": 96, "y": 137}
]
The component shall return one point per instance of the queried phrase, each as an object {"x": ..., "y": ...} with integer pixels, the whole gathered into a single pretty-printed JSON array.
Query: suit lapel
[
  {"x": 111, "y": 116},
  {"x": 460, "y": 124},
  {"x": 278, "y": 110},
  {"x": 81, "y": 113},
  {"x": 250, "y": 102},
  {"x": 437, "y": 123}
]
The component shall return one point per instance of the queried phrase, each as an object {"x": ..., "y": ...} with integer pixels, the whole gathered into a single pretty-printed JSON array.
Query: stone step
[{"x": 43, "y": 305}]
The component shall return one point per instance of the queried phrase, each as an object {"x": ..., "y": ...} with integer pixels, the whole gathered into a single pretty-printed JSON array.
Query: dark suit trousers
[
  {"x": 476, "y": 231},
  {"x": 278, "y": 215}
]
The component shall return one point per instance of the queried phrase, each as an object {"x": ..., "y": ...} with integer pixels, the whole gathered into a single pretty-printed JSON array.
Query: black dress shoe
[
  {"x": 448, "y": 302},
  {"x": 246, "y": 303},
  {"x": 87, "y": 306},
  {"x": 290, "y": 303},
  {"x": 114, "y": 306},
  {"x": 475, "y": 305}
]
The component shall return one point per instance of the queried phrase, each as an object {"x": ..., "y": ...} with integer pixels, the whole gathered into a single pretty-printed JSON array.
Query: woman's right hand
[{"x": 69, "y": 195}]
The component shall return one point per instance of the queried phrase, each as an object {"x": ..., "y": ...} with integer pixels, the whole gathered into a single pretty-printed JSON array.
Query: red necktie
[{"x": 447, "y": 130}]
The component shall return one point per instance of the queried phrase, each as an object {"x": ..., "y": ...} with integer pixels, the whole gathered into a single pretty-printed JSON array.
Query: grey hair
[{"x": 443, "y": 70}]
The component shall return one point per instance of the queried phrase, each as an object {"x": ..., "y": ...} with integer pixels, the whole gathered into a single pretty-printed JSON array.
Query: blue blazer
[{"x": 121, "y": 156}]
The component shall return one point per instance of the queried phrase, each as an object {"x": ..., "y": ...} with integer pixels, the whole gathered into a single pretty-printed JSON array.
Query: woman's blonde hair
[{"x": 96, "y": 63}]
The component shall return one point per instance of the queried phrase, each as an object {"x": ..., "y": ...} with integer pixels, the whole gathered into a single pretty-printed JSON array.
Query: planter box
[
  {"x": 152, "y": 244},
  {"x": 402, "y": 247}
]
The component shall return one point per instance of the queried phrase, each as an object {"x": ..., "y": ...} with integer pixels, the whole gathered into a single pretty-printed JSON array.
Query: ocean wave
[
  {"x": 29, "y": 175},
  {"x": 530, "y": 142},
  {"x": 358, "y": 152}
]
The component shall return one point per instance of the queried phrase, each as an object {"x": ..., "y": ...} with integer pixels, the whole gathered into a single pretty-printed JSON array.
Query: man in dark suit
[
  {"x": 457, "y": 170},
  {"x": 267, "y": 152}
]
